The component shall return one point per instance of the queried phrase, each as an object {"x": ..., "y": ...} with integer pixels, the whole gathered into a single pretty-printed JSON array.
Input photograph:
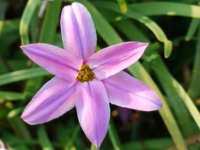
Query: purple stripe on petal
[
  {"x": 55, "y": 60},
  {"x": 114, "y": 59},
  {"x": 78, "y": 30},
  {"x": 54, "y": 99},
  {"x": 93, "y": 110},
  {"x": 126, "y": 91}
]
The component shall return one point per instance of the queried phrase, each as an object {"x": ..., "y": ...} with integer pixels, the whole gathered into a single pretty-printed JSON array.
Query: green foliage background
[{"x": 171, "y": 66}]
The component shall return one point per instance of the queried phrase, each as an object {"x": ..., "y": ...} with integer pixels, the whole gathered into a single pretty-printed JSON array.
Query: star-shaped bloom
[{"x": 84, "y": 79}]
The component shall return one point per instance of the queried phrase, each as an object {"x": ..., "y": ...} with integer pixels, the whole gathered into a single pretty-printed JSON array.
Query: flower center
[{"x": 85, "y": 74}]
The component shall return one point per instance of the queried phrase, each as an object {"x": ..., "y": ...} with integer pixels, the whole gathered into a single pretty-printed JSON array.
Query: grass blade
[
  {"x": 167, "y": 8},
  {"x": 162, "y": 143},
  {"x": 11, "y": 96},
  {"x": 131, "y": 30},
  {"x": 43, "y": 139},
  {"x": 113, "y": 136},
  {"x": 28, "y": 13},
  {"x": 194, "y": 87},
  {"x": 50, "y": 22},
  {"x": 192, "y": 29},
  {"x": 21, "y": 75},
  {"x": 19, "y": 128},
  {"x": 73, "y": 138}
]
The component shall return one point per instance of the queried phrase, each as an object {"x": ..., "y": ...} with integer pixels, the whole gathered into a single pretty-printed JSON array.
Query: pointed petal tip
[
  {"x": 23, "y": 117},
  {"x": 157, "y": 105},
  {"x": 131, "y": 93},
  {"x": 137, "y": 42},
  {"x": 146, "y": 44},
  {"x": 65, "y": 7},
  {"x": 94, "y": 101},
  {"x": 98, "y": 142},
  {"x": 157, "y": 101},
  {"x": 77, "y": 3},
  {"x": 28, "y": 120},
  {"x": 140, "y": 44},
  {"x": 78, "y": 30},
  {"x": 27, "y": 47},
  {"x": 23, "y": 47}
]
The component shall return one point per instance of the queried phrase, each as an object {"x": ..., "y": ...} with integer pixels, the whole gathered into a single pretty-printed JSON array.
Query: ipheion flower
[{"x": 84, "y": 79}]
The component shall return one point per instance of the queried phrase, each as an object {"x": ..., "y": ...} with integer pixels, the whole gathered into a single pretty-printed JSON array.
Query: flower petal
[
  {"x": 55, "y": 60},
  {"x": 114, "y": 59},
  {"x": 126, "y": 91},
  {"x": 93, "y": 110},
  {"x": 78, "y": 30},
  {"x": 54, "y": 99}
]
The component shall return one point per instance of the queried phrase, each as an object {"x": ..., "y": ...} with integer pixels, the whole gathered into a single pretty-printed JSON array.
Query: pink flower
[{"x": 84, "y": 79}]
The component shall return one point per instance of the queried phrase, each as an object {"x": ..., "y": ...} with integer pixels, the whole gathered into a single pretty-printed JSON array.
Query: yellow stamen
[{"x": 85, "y": 74}]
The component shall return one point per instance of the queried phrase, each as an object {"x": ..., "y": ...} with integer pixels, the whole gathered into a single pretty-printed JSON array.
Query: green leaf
[
  {"x": 32, "y": 85},
  {"x": 73, "y": 138},
  {"x": 2, "y": 14},
  {"x": 19, "y": 127},
  {"x": 11, "y": 96},
  {"x": 21, "y": 75},
  {"x": 14, "y": 141},
  {"x": 194, "y": 87},
  {"x": 9, "y": 26},
  {"x": 150, "y": 24},
  {"x": 131, "y": 30},
  {"x": 167, "y": 8},
  {"x": 50, "y": 21},
  {"x": 28, "y": 13},
  {"x": 192, "y": 29},
  {"x": 3, "y": 7},
  {"x": 43, "y": 139},
  {"x": 161, "y": 143},
  {"x": 113, "y": 37},
  {"x": 113, "y": 136},
  {"x": 158, "y": 144},
  {"x": 10, "y": 29}
]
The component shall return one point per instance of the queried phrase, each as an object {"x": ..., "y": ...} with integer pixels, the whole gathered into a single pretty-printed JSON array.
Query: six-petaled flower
[{"x": 84, "y": 79}]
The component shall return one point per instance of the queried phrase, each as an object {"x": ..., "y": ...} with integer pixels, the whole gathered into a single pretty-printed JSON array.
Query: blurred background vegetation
[{"x": 171, "y": 66}]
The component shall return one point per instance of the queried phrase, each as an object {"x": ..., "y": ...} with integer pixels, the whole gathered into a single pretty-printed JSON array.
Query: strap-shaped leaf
[
  {"x": 167, "y": 8},
  {"x": 28, "y": 13},
  {"x": 21, "y": 75}
]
